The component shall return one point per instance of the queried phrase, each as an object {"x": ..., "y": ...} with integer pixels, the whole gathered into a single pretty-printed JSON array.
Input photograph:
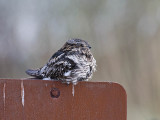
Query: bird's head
[{"x": 76, "y": 43}]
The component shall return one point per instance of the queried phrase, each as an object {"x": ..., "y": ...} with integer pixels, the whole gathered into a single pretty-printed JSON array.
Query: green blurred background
[{"x": 124, "y": 35}]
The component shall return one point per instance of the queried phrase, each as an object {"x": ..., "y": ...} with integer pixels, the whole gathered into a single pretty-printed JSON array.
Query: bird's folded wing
[{"x": 60, "y": 69}]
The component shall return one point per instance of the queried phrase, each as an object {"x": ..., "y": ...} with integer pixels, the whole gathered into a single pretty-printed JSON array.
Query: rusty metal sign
[{"x": 48, "y": 100}]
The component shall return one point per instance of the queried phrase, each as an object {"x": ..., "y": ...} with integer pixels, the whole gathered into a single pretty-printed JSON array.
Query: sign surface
[{"x": 47, "y": 100}]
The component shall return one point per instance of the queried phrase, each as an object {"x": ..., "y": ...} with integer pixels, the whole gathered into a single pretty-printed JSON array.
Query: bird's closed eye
[
  {"x": 71, "y": 44},
  {"x": 82, "y": 45}
]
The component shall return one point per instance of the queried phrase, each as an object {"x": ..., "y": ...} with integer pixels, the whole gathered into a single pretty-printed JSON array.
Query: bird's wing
[
  {"x": 57, "y": 54},
  {"x": 59, "y": 66},
  {"x": 60, "y": 69}
]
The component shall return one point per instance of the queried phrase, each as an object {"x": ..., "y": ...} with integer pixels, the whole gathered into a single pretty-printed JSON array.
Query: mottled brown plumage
[{"x": 74, "y": 62}]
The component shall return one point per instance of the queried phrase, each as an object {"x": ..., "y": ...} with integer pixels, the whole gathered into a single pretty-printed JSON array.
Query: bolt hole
[{"x": 55, "y": 92}]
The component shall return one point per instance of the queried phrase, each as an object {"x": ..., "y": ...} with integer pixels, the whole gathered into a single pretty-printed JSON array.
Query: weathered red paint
[{"x": 91, "y": 101}]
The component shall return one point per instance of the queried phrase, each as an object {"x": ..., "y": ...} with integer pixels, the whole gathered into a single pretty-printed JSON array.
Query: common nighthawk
[{"x": 72, "y": 63}]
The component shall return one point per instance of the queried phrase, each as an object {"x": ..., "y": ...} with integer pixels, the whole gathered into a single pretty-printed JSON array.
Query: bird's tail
[{"x": 34, "y": 73}]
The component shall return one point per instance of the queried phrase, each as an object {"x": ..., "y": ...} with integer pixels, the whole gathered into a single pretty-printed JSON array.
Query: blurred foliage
[{"x": 124, "y": 35}]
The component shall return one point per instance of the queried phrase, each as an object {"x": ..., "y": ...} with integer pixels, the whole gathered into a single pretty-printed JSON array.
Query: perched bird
[{"x": 72, "y": 63}]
